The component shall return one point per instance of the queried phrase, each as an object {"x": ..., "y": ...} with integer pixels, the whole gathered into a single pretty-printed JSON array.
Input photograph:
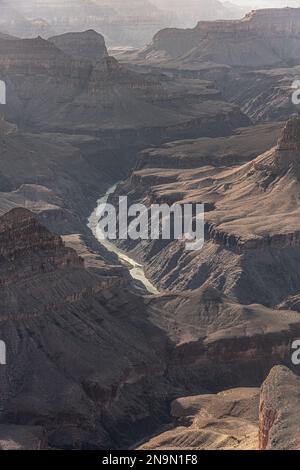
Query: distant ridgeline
[
  {"x": 276, "y": 20},
  {"x": 262, "y": 38}
]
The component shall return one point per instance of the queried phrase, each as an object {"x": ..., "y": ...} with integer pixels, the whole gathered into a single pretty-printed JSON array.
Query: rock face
[
  {"x": 220, "y": 343},
  {"x": 87, "y": 45},
  {"x": 265, "y": 94},
  {"x": 243, "y": 145},
  {"x": 22, "y": 438},
  {"x": 279, "y": 411},
  {"x": 50, "y": 90},
  {"x": 237, "y": 419},
  {"x": 81, "y": 357},
  {"x": 48, "y": 174},
  {"x": 244, "y": 229},
  {"x": 22, "y": 54},
  {"x": 21, "y": 234},
  {"x": 270, "y": 37},
  {"x": 253, "y": 61},
  {"x": 227, "y": 420},
  {"x": 57, "y": 306},
  {"x": 92, "y": 363},
  {"x": 290, "y": 139}
]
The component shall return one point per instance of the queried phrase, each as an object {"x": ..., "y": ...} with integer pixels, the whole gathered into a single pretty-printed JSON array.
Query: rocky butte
[
  {"x": 49, "y": 89},
  {"x": 252, "y": 221},
  {"x": 262, "y": 38},
  {"x": 252, "y": 61},
  {"x": 237, "y": 419},
  {"x": 279, "y": 411},
  {"x": 87, "y": 45}
]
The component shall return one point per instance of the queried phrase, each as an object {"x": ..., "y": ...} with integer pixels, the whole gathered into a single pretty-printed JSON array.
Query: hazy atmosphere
[
  {"x": 129, "y": 23},
  {"x": 149, "y": 229}
]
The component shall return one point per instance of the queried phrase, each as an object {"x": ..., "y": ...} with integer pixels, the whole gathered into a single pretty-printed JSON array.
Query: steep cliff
[
  {"x": 22, "y": 438},
  {"x": 243, "y": 145},
  {"x": 48, "y": 174},
  {"x": 48, "y": 89},
  {"x": 87, "y": 45},
  {"x": 253, "y": 61},
  {"x": 219, "y": 343},
  {"x": 279, "y": 411},
  {"x": 252, "y": 230},
  {"x": 225, "y": 421},
  {"x": 81, "y": 358},
  {"x": 264, "y": 95},
  {"x": 57, "y": 306},
  {"x": 262, "y": 38}
]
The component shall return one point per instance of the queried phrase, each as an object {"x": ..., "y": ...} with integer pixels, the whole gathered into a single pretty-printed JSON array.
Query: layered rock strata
[
  {"x": 81, "y": 355},
  {"x": 252, "y": 233},
  {"x": 279, "y": 411}
]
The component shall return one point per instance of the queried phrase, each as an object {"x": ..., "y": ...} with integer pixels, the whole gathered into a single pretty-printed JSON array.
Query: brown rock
[
  {"x": 49, "y": 89},
  {"x": 290, "y": 139},
  {"x": 279, "y": 411},
  {"x": 87, "y": 45},
  {"x": 81, "y": 356},
  {"x": 262, "y": 38},
  {"x": 252, "y": 224},
  {"x": 14, "y": 437},
  {"x": 226, "y": 421},
  {"x": 219, "y": 343}
]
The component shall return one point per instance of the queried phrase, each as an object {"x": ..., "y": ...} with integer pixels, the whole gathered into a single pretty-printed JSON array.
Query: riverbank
[{"x": 136, "y": 270}]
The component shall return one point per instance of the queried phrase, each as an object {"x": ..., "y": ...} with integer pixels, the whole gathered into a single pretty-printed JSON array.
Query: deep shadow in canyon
[{"x": 94, "y": 362}]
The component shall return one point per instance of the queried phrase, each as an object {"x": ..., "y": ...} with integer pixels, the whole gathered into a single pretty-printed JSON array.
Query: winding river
[{"x": 136, "y": 270}]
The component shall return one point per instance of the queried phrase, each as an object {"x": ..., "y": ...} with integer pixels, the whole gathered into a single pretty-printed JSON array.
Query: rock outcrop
[
  {"x": 87, "y": 45},
  {"x": 263, "y": 94},
  {"x": 27, "y": 55},
  {"x": 225, "y": 421},
  {"x": 57, "y": 306},
  {"x": 91, "y": 362},
  {"x": 220, "y": 343},
  {"x": 21, "y": 235},
  {"x": 279, "y": 411},
  {"x": 252, "y": 231},
  {"x": 22, "y": 438},
  {"x": 48, "y": 89},
  {"x": 48, "y": 174},
  {"x": 253, "y": 61},
  {"x": 262, "y": 38},
  {"x": 236, "y": 419},
  {"x": 81, "y": 356},
  {"x": 243, "y": 145},
  {"x": 290, "y": 139}
]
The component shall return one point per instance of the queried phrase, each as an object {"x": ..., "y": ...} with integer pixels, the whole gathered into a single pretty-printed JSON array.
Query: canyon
[
  {"x": 270, "y": 37},
  {"x": 54, "y": 308},
  {"x": 253, "y": 61},
  {"x": 94, "y": 360},
  {"x": 124, "y": 23},
  {"x": 47, "y": 89},
  {"x": 237, "y": 419}
]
